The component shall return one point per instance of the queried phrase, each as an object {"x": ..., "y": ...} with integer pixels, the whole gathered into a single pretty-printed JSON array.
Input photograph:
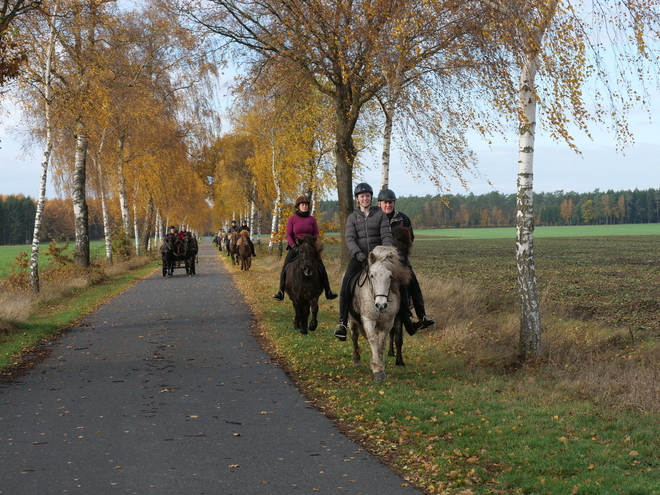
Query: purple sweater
[{"x": 298, "y": 227}]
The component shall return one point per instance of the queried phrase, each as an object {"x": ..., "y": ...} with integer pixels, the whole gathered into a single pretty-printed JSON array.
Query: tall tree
[
  {"x": 556, "y": 50},
  {"x": 335, "y": 45}
]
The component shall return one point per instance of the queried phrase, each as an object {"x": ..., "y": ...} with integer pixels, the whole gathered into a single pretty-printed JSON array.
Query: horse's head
[
  {"x": 386, "y": 274},
  {"x": 307, "y": 254}
]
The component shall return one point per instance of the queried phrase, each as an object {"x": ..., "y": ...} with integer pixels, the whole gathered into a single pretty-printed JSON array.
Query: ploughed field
[{"x": 615, "y": 280}]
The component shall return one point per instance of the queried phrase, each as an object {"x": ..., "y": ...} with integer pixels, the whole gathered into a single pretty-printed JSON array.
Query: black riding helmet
[
  {"x": 386, "y": 195},
  {"x": 363, "y": 187}
]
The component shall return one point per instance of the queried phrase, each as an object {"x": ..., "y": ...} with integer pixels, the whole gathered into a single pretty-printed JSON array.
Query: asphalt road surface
[{"x": 164, "y": 390}]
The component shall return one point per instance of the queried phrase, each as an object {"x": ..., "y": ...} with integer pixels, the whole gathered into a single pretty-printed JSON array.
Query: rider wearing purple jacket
[{"x": 299, "y": 225}]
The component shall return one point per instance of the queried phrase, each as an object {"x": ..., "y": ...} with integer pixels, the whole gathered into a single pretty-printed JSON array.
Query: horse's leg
[
  {"x": 353, "y": 327},
  {"x": 304, "y": 317},
  {"x": 314, "y": 306},
  {"x": 296, "y": 318},
  {"x": 377, "y": 342},
  {"x": 390, "y": 351},
  {"x": 164, "y": 262}
]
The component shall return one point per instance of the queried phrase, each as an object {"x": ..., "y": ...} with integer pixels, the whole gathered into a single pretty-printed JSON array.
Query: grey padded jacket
[{"x": 363, "y": 233}]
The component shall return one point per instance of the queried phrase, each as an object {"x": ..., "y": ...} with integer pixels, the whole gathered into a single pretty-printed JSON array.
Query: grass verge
[{"x": 463, "y": 417}]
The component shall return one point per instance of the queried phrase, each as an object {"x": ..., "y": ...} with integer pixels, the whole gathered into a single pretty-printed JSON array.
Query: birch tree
[
  {"x": 47, "y": 100},
  {"x": 558, "y": 51}
]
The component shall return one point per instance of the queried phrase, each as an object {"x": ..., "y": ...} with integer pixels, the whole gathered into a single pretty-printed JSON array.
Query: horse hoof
[
  {"x": 379, "y": 376},
  {"x": 303, "y": 332}
]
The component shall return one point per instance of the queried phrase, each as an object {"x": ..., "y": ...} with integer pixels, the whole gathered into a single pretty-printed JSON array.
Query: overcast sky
[{"x": 556, "y": 167}]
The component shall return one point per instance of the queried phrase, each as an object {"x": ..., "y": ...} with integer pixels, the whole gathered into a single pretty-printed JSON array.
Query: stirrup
[
  {"x": 341, "y": 332},
  {"x": 279, "y": 295}
]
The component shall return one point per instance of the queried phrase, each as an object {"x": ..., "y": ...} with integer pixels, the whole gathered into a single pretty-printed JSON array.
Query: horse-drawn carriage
[{"x": 179, "y": 253}]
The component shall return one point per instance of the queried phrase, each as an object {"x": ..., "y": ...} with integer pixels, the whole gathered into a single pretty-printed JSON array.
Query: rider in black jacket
[{"x": 387, "y": 202}]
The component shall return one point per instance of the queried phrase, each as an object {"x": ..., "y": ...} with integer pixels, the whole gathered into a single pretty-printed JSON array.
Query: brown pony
[
  {"x": 244, "y": 250},
  {"x": 233, "y": 249},
  {"x": 303, "y": 284},
  {"x": 403, "y": 244}
]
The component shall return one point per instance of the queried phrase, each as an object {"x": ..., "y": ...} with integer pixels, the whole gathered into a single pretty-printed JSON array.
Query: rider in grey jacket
[{"x": 366, "y": 228}]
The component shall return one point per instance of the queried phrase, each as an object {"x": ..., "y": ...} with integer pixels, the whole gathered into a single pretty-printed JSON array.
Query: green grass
[
  {"x": 544, "y": 232},
  {"x": 8, "y": 253}
]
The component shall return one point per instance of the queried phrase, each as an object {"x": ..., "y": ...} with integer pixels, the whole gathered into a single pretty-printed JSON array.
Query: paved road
[{"x": 164, "y": 390}]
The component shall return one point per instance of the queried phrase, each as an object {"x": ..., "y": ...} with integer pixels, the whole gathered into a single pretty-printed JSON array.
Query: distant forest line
[
  {"x": 499, "y": 210},
  {"x": 426, "y": 212}
]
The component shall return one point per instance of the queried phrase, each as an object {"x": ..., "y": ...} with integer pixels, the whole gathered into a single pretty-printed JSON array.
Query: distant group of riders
[{"x": 223, "y": 237}]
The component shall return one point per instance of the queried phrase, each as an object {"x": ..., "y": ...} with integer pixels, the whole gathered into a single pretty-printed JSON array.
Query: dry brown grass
[
  {"x": 606, "y": 365},
  {"x": 17, "y": 304}
]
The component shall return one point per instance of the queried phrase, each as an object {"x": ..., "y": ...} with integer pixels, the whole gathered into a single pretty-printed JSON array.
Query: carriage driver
[
  {"x": 366, "y": 228},
  {"x": 244, "y": 226},
  {"x": 173, "y": 230},
  {"x": 387, "y": 202},
  {"x": 299, "y": 225}
]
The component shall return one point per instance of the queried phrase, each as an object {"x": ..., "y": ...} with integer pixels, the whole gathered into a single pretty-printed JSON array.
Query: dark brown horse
[
  {"x": 244, "y": 250},
  {"x": 303, "y": 284},
  {"x": 190, "y": 250},
  {"x": 403, "y": 243},
  {"x": 168, "y": 253},
  {"x": 233, "y": 248}
]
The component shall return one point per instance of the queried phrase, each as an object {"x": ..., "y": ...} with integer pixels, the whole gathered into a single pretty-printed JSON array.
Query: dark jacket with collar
[
  {"x": 398, "y": 219},
  {"x": 363, "y": 233}
]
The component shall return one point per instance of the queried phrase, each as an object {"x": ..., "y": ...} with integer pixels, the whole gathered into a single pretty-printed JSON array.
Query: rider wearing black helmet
[
  {"x": 244, "y": 226},
  {"x": 387, "y": 202},
  {"x": 366, "y": 228}
]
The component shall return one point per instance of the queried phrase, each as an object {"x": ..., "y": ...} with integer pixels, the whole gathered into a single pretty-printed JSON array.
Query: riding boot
[
  {"x": 341, "y": 331},
  {"x": 404, "y": 312},
  {"x": 329, "y": 295},
  {"x": 279, "y": 295}
]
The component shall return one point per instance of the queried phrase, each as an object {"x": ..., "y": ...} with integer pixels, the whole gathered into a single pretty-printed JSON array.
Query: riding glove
[{"x": 361, "y": 257}]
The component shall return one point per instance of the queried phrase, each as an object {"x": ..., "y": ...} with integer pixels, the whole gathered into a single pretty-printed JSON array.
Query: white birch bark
[
  {"x": 387, "y": 145},
  {"x": 123, "y": 195},
  {"x": 252, "y": 213},
  {"x": 530, "y": 313},
  {"x": 136, "y": 231},
  {"x": 36, "y": 236},
  {"x": 158, "y": 235},
  {"x": 104, "y": 204},
  {"x": 277, "y": 208},
  {"x": 80, "y": 210}
]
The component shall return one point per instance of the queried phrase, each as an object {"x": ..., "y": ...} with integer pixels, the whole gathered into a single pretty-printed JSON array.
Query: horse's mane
[
  {"x": 312, "y": 241},
  {"x": 389, "y": 256},
  {"x": 244, "y": 233}
]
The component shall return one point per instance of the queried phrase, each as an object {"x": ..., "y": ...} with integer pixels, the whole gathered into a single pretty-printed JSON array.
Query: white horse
[{"x": 376, "y": 303}]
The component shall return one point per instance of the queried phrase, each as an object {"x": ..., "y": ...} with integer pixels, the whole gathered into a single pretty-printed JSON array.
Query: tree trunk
[
  {"x": 387, "y": 145},
  {"x": 80, "y": 210},
  {"x": 277, "y": 209},
  {"x": 530, "y": 314},
  {"x": 36, "y": 236},
  {"x": 345, "y": 157},
  {"x": 146, "y": 228},
  {"x": 123, "y": 195},
  {"x": 136, "y": 231},
  {"x": 104, "y": 203}
]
